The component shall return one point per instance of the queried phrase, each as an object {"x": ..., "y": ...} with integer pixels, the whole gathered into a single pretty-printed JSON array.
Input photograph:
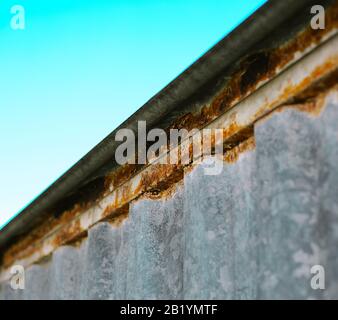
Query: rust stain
[
  {"x": 312, "y": 99},
  {"x": 120, "y": 175},
  {"x": 232, "y": 155},
  {"x": 116, "y": 217},
  {"x": 304, "y": 89},
  {"x": 73, "y": 232},
  {"x": 162, "y": 181},
  {"x": 308, "y": 96},
  {"x": 25, "y": 246},
  {"x": 69, "y": 233},
  {"x": 256, "y": 69},
  {"x": 252, "y": 71}
]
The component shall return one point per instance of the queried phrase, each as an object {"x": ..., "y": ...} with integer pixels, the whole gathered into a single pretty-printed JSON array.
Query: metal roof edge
[{"x": 222, "y": 55}]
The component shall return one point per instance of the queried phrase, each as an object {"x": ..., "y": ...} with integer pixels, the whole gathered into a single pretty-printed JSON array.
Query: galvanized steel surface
[{"x": 253, "y": 232}]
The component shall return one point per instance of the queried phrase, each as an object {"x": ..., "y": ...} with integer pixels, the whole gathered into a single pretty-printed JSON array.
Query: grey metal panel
[
  {"x": 11, "y": 294},
  {"x": 122, "y": 262},
  {"x": 297, "y": 207},
  {"x": 38, "y": 283},
  {"x": 2, "y": 292},
  {"x": 289, "y": 161},
  {"x": 103, "y": 245},
  {"x": 219, "y": 252},
  {"x": 329, "y": 196},
  {"x": 254, "y": 231},
  {"x": 157, "y": 251},
  {"x": 65, "y": 273}
]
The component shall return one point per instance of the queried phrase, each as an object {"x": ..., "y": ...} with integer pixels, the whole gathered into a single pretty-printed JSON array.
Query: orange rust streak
[
  {"x": 312, "y": 99},
  {"x": 293, "y": 90},
  {"x": 232, "y": 155},
  {"x": 256, "y": 69}
]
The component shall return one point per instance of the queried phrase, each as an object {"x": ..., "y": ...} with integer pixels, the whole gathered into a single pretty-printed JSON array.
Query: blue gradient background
[{"x": 82, "y": 67}]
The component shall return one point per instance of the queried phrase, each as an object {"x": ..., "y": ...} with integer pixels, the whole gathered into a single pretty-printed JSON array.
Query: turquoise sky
[{"x": 82, "y": 67}]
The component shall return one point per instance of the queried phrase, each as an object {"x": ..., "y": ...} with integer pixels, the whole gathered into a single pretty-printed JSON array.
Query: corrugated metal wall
[{"x": 252, "y": 232}]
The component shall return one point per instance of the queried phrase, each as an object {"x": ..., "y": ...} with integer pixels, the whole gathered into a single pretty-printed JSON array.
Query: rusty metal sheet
[{"x": 154, "y": 179}]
